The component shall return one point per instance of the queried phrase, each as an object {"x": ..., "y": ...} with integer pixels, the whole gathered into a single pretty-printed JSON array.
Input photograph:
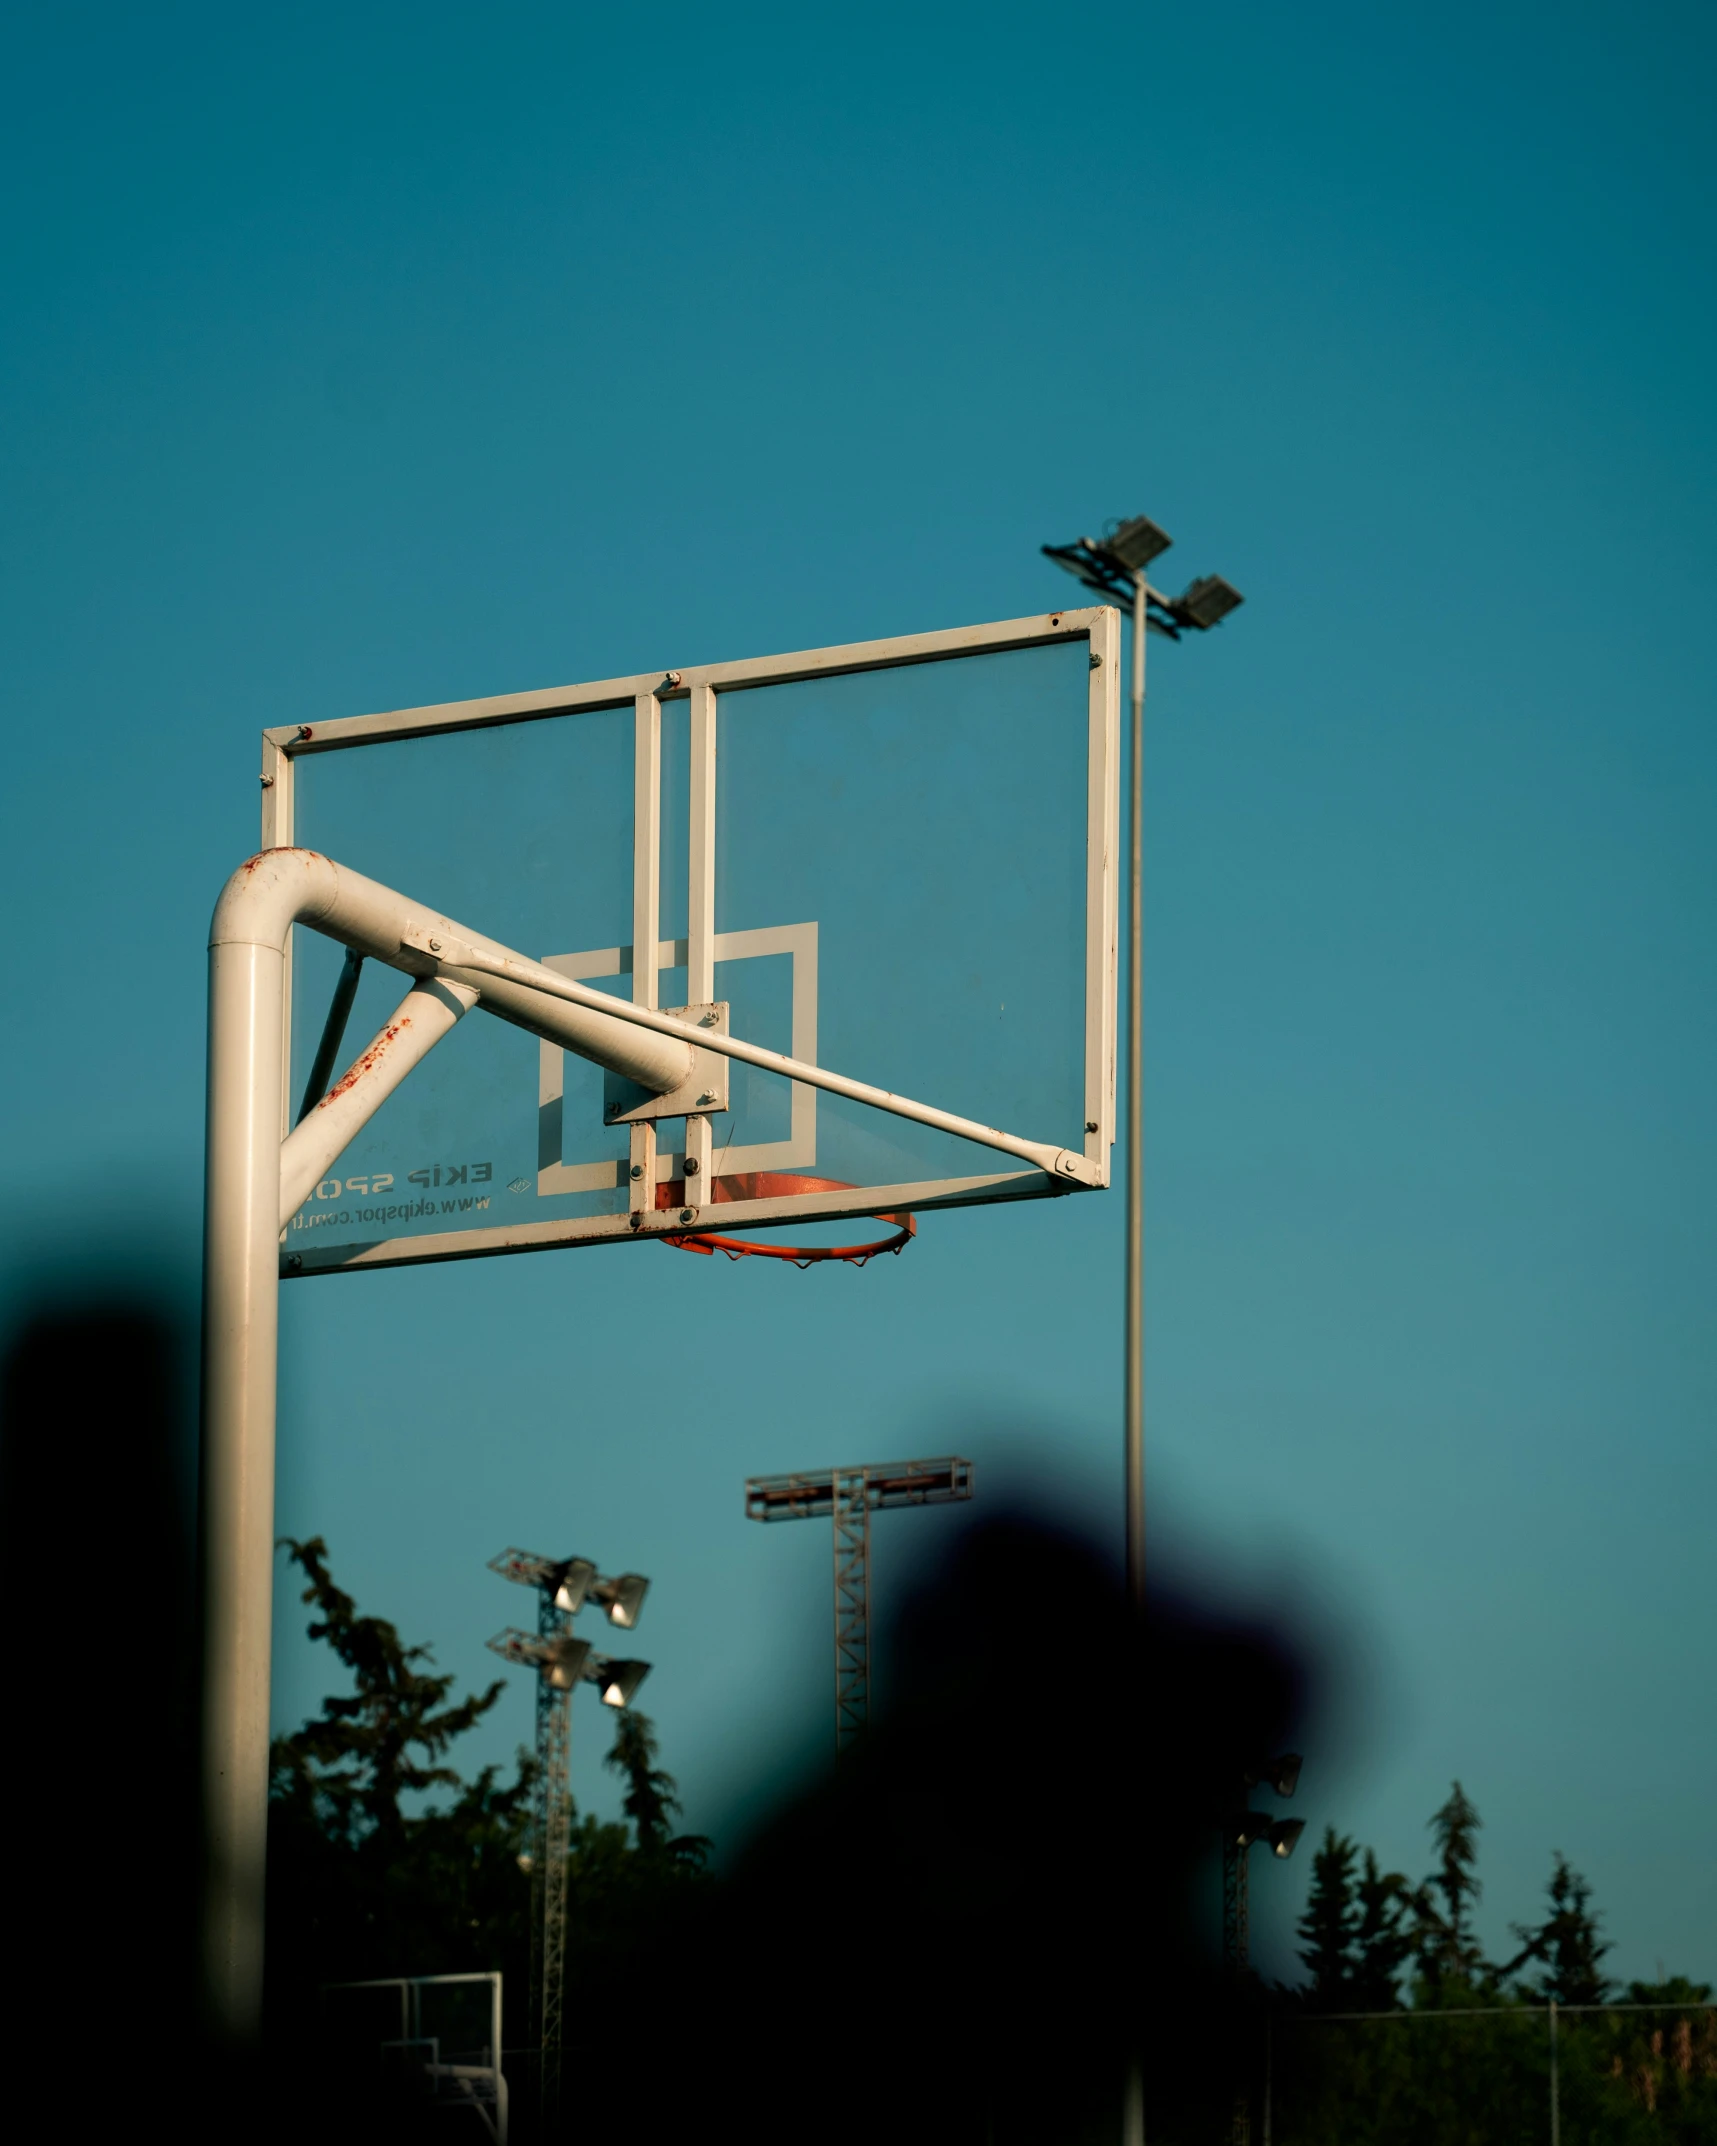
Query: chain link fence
[{"x": 1500, "y": 2075}]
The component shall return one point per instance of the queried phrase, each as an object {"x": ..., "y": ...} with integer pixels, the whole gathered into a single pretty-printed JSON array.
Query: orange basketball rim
[{"x": 777, "y": 1185}]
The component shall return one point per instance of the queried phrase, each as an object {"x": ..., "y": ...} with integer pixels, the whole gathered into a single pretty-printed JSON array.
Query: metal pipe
[
  {"x": 1133, "y": 1285},
  {"x": 241, "y": 1231},
  {"x": 467, "y": 963},
  {"x": 1134, "y": 1349},
  {"x": 271, "y": 892},
  {"x": 429, "y": 1011},
  {"x": 333, "y": 1029}
]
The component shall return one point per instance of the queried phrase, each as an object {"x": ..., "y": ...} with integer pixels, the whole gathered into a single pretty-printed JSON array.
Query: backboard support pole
[{"x": 241, "y": 1324}]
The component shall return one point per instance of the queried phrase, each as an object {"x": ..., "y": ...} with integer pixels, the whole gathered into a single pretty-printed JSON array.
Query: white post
[
  {"x": 241, "y": 1233},
  {"x": 1133, "y": 2107}
]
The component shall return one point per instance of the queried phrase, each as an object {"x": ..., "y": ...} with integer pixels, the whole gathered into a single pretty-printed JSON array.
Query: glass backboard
[{"x": 894, "y": 859}]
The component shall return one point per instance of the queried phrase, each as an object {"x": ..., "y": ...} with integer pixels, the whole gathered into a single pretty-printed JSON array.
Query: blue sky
[{"x": 372, "y": 356}]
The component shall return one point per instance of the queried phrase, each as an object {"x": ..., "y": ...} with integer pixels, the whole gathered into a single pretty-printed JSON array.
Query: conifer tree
[
  {"x": 358, "y": 1884},
  {"x": 356, "y": 1759},
  {"x": 1565, "y": 1945},
  {"x": 1330, "y": 1923},
  {"x": 1449, "y": 1953},
  {"x": 651, "y": 1800},
  {"x": 1385, "y": 1934},
  {"x": 368, "y": 1877},
  {"x": 1359, "y": 1930}
]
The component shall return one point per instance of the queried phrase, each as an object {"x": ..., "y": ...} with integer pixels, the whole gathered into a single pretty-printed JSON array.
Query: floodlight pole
[
  {"x": 1116, "y": 567},
  {"x": 554, "y": 1845},
  {"x": 1236, "y": 1905},
  {"x": 562, "y": 1587},
  {"x": 1135, "y": 1217},
  {"x": 849, "y": 1496}
]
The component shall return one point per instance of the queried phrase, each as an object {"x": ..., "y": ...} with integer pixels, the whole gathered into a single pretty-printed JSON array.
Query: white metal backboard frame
[{"x": 703, "y": 685}]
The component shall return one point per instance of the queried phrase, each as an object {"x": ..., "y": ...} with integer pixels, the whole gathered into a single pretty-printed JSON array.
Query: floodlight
[
  {"x": 1283, "y": 1774},
  {"x": 1089, "y": 563},
  {"x": 618, "y": 1680},
  {"x": 623, "y": 1598},
  {"x": 1072, "y": 559},
  {"x": 572, "y": 1578},
  {"x": 1249, "y": 1827},
  {"x": 1207, "y": 602},
  {"x": 1285, "y": 1837},
  {"x": 562, "y": 1661},
  {"x": 1137, "y": 542}
]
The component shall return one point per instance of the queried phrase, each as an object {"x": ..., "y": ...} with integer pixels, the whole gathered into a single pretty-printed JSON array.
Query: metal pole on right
[
  {"x": 1133, "y": 2111},
  {"x": 1135, "y": 1223},
  {"x": 1113, "y": 568}
]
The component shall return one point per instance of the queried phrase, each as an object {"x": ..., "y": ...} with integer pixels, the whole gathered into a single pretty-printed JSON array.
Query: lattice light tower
[
  {"x": 563, "y": 1586},
  {"x": 849, "y": 1496},
  {"x": 1241, "y": 1833}
]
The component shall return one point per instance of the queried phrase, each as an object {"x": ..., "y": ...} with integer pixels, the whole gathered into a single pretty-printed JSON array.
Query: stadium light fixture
[
  {"x": 622, "y": 1599},
  {"x": 1137, "y": 542},
  {"x": 557, "y": 1657},
  {"x": 1249, "y": 1829},
  {"x": 572, "y": 1584},
  {"x": 616, "y": 1680},
  {"x": 562, "y": 1661},
  {"x": 1206, "y": 602},
  {"x": 1281, "y": 1776}
]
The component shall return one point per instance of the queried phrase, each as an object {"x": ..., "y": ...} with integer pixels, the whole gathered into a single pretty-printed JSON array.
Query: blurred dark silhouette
[
  {"x": 97, "y": 1793},
  {"x": 970, "y": 1929},
  {"x": 966, "y": 1932}
]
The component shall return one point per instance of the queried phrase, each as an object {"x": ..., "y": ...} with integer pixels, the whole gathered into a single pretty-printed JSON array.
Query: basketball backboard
[{"x": 895, "y": 859}]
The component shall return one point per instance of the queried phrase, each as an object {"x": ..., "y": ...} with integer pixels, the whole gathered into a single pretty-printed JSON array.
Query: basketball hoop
[{"x": 774, "y": 1185}]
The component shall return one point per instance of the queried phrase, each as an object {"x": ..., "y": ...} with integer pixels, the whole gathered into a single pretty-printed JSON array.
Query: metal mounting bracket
[{"x": 704, "y": 1089}]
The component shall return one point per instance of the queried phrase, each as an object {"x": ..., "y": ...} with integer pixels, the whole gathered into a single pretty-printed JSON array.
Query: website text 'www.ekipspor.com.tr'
[
  {"x": 402, "y": 1211},
  {"x": 314, "y": 1215}
]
